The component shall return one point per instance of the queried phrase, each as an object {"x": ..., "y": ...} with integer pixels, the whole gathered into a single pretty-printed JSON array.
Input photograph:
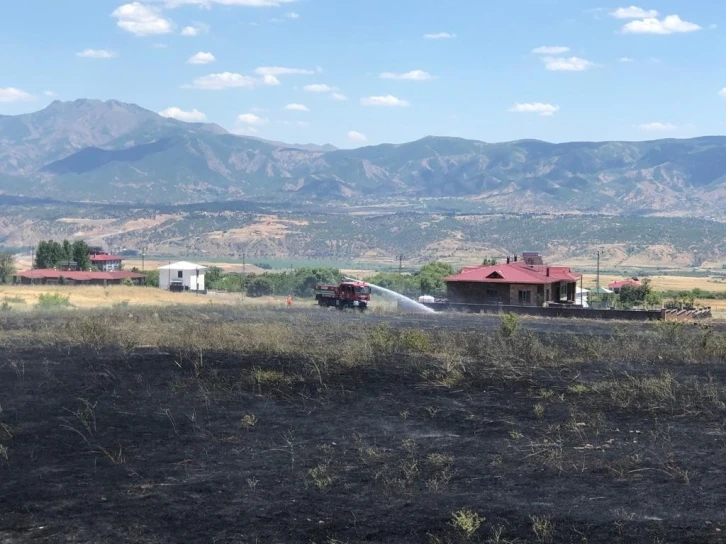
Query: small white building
[{"x": 182, "y": 276}]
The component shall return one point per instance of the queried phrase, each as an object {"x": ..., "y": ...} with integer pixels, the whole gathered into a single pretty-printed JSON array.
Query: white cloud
[
  {"x": 550, "y": 50},
  {"x": 195, "y": 30},
  {"x": 566, "y": 64},
  {"x": 626, "y": 59},
  {"x": 319, "y": 88},
  {"x": 339, "y": 97},
  {"x": 387, "y": 101},
  {"x": 672, "y": 24},
  {"x": 633, "y": 12},
  {"x": 141, "y": 20},
  {"x": 194, "y": 116},
  {"x": 12, "y": 94},
  {"x": 296, "y": 107},
  {"x": 201, "y": 58},
  {"x": 545, "y": 110},
  {"x": 440, "y": 36},
  {"x": 281, "y": 71},
  {"x": 96, "y": 54},
  {"x": 357, "y": 136},
  {"x": 722, "y": 92},
  {"x": 414, "y": 75},
  {"x": 657, "y": 126},
  {"x": 245, "y": 3},
  {"x": 292, "y": 15},
  {"x": 269, "y": 79},
  {"x": 225, "y": 80},
  {"x": 251, "y": 119},
  {"x": 49, "y": 93}
]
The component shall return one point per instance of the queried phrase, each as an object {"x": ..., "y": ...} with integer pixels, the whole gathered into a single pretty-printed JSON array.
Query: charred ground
[{"x": 215, "y": 426}]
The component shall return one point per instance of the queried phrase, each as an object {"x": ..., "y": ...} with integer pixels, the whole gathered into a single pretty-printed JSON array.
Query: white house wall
[{"x": 189, "y": 279}]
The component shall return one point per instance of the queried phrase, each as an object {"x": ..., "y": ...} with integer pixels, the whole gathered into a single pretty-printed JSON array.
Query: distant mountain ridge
[{"x": 89, "y": 150}]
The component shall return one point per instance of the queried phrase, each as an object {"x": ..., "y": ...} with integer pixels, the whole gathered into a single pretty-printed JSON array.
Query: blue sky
[{"x": 356, "y": 72}]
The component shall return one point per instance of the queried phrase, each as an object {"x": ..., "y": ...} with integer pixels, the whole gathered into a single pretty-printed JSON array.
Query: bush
[
  {"x": 152, "y": 278},
  {"x": 53, "y": 300},
  {"x": 128, "y": 282},
  {"x": 260, "y": 286},
  {"x": 509, "y": 324}
]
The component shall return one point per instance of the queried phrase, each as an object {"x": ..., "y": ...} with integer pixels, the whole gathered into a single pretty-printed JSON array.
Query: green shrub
[
  {"x": 509, "y": 325},
  {"x": 53, "y": 300}
]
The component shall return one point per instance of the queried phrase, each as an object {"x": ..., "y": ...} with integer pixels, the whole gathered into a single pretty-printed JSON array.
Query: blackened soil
[{"x": 153, "y": 449}]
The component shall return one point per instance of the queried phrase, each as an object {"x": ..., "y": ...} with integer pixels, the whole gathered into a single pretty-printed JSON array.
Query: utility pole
[
  {"x": 143, "y": 254},
  {"x": 32, "y": 263},
  {"x": 597, "y": 280},
  {"x": 244, "y": 273},
  {"x": 400, "y": 265}
]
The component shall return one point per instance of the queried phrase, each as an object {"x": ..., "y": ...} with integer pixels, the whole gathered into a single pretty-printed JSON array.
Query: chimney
[
  {"x": 548, "y": 271},
  {"x": 515, "y": 258},
  {"x": 507, "y": 259}
]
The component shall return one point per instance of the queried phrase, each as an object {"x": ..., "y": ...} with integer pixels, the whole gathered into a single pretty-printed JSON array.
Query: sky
[{"x": 364, "y": 72}]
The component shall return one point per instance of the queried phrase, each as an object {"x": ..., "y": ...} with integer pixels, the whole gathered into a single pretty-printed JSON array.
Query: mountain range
[{"x": 95, "y": 151}]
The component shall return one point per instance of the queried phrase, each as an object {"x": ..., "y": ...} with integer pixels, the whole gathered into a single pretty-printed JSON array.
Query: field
[{"x": 233, "y": 425}]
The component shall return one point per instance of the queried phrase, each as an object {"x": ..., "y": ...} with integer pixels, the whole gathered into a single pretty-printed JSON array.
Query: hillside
[
  {"x": 90, "y": 150},
  {"x": 218, "y": 232}
]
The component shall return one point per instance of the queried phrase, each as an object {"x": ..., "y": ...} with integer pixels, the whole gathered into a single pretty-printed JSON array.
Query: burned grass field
[{"x": 196, "y": 426}]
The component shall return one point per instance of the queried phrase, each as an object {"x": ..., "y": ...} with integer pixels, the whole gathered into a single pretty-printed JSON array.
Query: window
[
  {"x": 525, "y": 297},
  {"x": 492, "y": 293},
  {"x": 180, "y": 274}
]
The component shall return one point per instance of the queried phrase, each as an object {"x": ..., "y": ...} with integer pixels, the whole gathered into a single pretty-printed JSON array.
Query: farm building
[
  {"x": 106, "y": 263},
  {"x": 617, "y": 285},
  {"x": 182, "y": 276},
  {"x": 74, "y": 277},
  {"x": 520, "y": 283}
]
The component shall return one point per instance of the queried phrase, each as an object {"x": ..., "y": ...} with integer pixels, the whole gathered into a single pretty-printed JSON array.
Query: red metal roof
[
  {"x": 518, "y": 272},
  {"x": 50, "y": 274},
  {"x": 623, "y": 283},
  {"x": 100, "y": 258}
]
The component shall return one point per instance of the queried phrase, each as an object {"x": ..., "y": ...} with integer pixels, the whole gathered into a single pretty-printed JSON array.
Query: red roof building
[
  {"x": 106, "y": 263},
  {"x": 513, "y": 283},
  {"x": 43, "y": 276},
  {"x": 617, "y": 285}
]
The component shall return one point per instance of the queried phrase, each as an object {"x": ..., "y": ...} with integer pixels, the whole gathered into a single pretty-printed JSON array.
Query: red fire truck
[{"x": 349, "y": 294}]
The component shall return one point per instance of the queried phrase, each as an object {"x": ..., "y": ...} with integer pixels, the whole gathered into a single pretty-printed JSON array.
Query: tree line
[{"x": 51, "y": 254}]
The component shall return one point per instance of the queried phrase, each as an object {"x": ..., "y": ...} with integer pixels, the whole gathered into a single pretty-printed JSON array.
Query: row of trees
[
  {"x": 50, "y": 254},
  {"x": 427, "y": 281},
  {"x": 299, "y": 283}
]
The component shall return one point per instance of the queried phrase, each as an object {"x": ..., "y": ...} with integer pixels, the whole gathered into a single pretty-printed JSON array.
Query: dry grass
[
  {"x": 664, "y": 283},
  {"x": 96, "y": 296}
]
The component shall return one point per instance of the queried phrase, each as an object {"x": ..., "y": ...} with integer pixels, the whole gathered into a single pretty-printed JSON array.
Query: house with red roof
[
  {"x": 527, "y": 282},
  {"x": 106, "y": 263},
  {"x": 616, "y": 286}
]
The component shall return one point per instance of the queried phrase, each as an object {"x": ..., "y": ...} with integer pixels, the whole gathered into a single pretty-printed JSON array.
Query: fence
[{"x": 569, "y": 312}]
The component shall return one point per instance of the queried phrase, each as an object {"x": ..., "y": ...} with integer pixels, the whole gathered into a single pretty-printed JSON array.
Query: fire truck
[{"x": 349, "y": 294}]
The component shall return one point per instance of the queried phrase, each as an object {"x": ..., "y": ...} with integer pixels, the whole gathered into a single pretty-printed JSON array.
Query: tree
[
  {"x": 152, "y": 278},
  {"x": 48, "y": 254},
  {"x": 7, "y": 267},
  {"x": 488, "y": 261},
  {"x": 213, "y": 275},
  {"x": 631, "y": 296},
  {"x": 80, "y": 253},
  {"x": 259, "y": 286}
]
